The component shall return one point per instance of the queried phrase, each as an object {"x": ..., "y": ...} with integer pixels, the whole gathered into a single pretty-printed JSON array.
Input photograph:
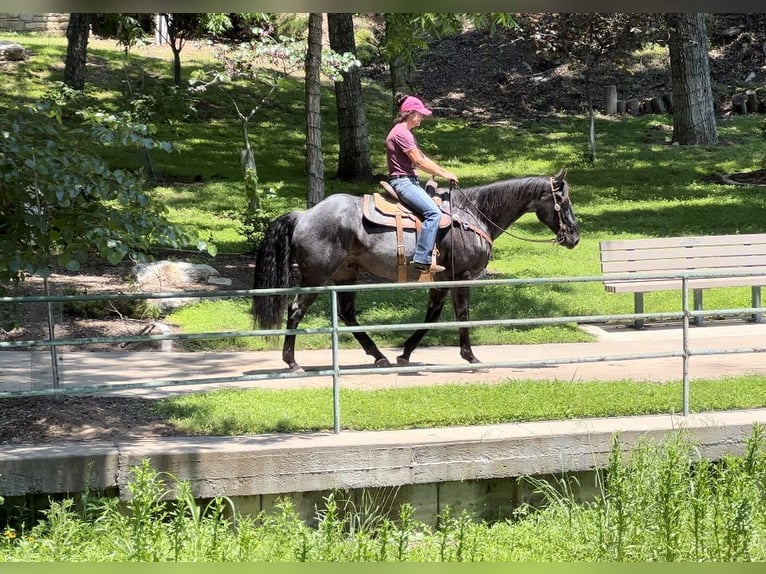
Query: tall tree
[
  {"x": 314, "y": 159},
  {"x": 354, "y": 154},
  {"x": 693, "y": 110},
  {"x": 77, "y": 49},
  {"x": 181, "y": 26}
]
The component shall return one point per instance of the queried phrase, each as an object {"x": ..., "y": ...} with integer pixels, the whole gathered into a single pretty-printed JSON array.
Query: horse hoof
[
  {"x": 382, "y": 363},
  {"x": 402, "y": 362},
  {"x": 477, "y": 369},
  {"x": 296, "y": 369}
]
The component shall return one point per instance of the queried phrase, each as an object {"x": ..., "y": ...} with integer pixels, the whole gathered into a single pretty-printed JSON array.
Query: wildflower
[{"x": 10, "y": 533}]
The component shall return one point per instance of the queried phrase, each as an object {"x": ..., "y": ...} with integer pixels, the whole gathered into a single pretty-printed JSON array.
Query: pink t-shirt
[{"x": 398, "y": 142}]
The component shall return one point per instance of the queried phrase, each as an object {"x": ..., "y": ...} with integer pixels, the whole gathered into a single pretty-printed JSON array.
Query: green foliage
[
  {"x": 61, "y": 201},
  {"x": 268, "y": 61}
]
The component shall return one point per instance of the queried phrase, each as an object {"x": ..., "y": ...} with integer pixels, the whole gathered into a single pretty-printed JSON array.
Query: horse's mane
[{"x": 494, "y": 197}]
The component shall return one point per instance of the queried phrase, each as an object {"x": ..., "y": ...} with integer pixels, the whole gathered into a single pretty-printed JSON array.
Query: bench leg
[
  {"x": 638, "y": 307},
  {"x": 756, "y": 290},
  {"x": 698, "y": 320}
]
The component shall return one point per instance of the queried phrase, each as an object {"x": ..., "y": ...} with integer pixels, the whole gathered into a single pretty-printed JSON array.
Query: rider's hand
[{"x": 449, "y": 176}]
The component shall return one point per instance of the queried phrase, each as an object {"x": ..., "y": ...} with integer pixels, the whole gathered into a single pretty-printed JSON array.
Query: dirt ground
[
  {"x": 79, "y": 417},
  {"x": 500, "y": 85}
]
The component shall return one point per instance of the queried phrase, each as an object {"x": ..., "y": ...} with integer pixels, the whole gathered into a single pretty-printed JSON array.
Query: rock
[
  {"x": 12, "y": 51},
  {"x": 215, "y": 280},
  {"x": 172, "y": 273},
  {"x": 169, "y": 276}
]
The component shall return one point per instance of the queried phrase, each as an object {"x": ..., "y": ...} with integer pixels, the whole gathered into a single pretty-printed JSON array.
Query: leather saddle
[{"x": 387, "y": 210}]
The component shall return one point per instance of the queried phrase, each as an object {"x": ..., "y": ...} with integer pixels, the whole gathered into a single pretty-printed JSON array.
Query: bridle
[{"x": 563, "y": 227}]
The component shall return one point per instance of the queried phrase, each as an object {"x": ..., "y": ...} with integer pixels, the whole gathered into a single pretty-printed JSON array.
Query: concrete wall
[
  {"x": 468, "y": 468},
  {"x": 49, "y": 23}
]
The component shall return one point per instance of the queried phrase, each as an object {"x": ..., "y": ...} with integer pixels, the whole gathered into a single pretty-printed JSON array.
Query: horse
[{"x": 332, "y": 241}]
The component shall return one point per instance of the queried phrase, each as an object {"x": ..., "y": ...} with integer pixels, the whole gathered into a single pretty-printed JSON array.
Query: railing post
[
  {"x": 685, "y": 376},
  {"x": 335, "y": 362},
  {"x": 52, "y": 336}
]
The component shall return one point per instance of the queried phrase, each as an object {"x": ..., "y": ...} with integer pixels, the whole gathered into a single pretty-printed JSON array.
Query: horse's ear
[{"x": 561, "y": 175}]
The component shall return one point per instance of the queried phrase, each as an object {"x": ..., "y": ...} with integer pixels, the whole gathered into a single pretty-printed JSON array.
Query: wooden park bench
[{"x": 707, "y": 253}]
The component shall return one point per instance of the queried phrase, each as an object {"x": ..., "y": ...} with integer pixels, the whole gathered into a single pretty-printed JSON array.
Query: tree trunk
[
  {"x": 591, "y": 119},
  {"x": 693, "y": 112},
  {"x": 752, "y": 101},
  {"x": 739, "y": 104},
  {"x": 314, "y": 159},
  {"x": 610, "y": 100},
  {"x": 658, "y": 106},
  {"x": 176, "y": 63},
  {"x": 76, "y": 50},
  {"x": 176, "y": 41},
  {"x": 354, "y": 154}
]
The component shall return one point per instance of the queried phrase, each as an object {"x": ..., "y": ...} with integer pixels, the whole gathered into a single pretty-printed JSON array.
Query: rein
[{"x": 556, "y": 207}]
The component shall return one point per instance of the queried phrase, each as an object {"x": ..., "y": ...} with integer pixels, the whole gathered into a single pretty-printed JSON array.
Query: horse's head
[{"x": 554, "y": 208}]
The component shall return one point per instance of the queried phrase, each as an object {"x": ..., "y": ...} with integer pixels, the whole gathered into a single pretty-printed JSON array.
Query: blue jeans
[{"x": 419, "y": 201}]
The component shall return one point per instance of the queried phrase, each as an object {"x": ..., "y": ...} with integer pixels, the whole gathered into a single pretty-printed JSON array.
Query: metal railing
[{"x": 336, "y": 372}]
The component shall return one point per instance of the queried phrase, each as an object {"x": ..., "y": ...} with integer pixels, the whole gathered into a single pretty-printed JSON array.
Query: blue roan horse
[{"x": 332, "y": 242}]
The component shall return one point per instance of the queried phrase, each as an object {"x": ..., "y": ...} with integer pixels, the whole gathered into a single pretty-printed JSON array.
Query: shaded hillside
[{"x": 498, "y": 78}]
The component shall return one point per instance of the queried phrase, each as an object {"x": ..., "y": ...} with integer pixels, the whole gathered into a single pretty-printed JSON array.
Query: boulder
[
  {"x": 169, "y": 276},
  {"x": 12, "y": 51}
]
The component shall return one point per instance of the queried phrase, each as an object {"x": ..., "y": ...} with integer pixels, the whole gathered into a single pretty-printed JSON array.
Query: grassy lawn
[
  {"x": 256, "y": 411},
  {"x": 639, "y": 186}
]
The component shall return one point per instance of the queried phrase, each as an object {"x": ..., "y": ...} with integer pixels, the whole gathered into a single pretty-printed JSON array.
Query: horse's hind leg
[
  {"x": 435, "y": 306},
  {"x": 297, "y": 311},
  {"x": 347, "y": 314}
]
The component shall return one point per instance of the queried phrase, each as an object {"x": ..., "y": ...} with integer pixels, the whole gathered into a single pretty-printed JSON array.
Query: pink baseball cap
[{"x": 413, "y": 104}]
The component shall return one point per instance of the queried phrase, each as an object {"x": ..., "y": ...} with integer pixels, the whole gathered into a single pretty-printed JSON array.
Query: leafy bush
[{"x": 61, "y": 200}]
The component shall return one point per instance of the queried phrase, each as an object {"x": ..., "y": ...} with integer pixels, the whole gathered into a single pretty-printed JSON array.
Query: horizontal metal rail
[{"x": 334, "y": 330}]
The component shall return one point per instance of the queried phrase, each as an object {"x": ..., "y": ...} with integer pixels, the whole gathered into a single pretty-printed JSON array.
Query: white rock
[
  {"x": 175, "y": 273},
  {"x": 11, "y": 51}
]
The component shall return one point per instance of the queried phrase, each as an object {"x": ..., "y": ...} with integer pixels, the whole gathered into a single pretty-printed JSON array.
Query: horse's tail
[{"x": 273, "y": 262}]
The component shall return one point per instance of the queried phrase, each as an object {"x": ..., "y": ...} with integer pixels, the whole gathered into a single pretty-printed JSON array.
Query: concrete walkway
[{"x": 23, "y": 370}]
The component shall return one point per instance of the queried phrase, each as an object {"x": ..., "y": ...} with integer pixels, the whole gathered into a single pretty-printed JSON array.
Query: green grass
[{"x": 257, "y": 411}]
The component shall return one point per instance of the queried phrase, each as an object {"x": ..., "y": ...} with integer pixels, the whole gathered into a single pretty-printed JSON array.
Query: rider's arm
[{"x": 421, "y": 161}]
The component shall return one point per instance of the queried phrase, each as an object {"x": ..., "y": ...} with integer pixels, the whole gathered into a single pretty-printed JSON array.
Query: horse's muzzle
[{"x": 567, "y": 237}]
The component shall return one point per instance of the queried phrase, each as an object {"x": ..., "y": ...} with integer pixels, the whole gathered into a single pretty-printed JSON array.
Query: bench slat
[
  {"x": 647, "y": 285},
  {"x": 659, "y": 242},
  {"x": 683, "y": 252},
  {"x": 710, "y": 264},
  {"x": 713, "y": 253}
]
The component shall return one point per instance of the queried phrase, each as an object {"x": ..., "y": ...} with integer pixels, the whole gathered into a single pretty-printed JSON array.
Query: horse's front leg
[
  {"x": 435, "y": 305},
  {"x": 297, "y": 311},
  {"x": 347, "y": 314},
  {"x": 460, "y": 302}
]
